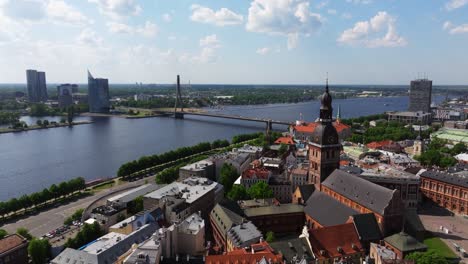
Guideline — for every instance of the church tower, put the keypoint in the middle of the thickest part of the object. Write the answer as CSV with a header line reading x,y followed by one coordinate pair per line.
x,y
324,145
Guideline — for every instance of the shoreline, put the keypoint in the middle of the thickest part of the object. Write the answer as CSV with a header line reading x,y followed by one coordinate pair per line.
x,y
35,127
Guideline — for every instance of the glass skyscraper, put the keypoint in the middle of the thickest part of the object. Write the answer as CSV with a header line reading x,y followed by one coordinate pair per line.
x,y
98,94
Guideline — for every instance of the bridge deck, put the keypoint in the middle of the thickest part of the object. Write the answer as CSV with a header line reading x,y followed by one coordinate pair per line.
x,y
252,119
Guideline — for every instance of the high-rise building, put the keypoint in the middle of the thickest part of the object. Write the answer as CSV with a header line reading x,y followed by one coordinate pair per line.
x,y
98,94
37,88
65,94
324,144
420,95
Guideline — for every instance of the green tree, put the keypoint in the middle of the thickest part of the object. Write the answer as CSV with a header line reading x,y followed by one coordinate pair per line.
x,y
270,237
39,123
135,206
228,175
24,233
260,190
458,148
238,192
45,123
39,250
429,257
283,148
3,233
54,191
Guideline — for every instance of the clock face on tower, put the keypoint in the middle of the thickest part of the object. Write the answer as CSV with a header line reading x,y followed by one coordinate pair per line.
x,y
332,139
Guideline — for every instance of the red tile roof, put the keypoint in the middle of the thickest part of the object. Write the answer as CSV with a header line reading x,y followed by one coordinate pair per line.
x,y
310,127
285,140
10,242
326,241
247,256
379,144
259,173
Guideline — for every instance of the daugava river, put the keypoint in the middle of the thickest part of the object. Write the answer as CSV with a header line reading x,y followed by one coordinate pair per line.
x,y
32,160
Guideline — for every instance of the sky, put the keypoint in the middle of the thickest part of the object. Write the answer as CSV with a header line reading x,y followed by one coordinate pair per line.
x,y
236,41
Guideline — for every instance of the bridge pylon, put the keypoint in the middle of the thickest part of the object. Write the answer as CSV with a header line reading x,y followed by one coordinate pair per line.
x,y
269,128
178,101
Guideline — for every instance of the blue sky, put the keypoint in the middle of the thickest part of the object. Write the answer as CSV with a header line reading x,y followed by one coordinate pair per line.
x,y
236,41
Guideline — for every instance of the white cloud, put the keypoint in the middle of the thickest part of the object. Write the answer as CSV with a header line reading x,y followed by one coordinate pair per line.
x,y
117,9
210,40
453,29
89,37
222,17
149,29
455,4
363,2
263,51
332,11
283,17
369,33
60,11
167,17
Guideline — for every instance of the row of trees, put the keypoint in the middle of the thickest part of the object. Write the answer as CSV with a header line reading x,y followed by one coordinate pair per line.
x,y
384,131
87,234
53,192
7,118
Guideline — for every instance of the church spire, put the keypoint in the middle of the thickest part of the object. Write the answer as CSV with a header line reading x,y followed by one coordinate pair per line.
x,y
326,110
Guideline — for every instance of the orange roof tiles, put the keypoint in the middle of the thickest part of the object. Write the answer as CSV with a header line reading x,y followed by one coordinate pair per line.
x,y
247,256
310,127
285,140
259,173
10,242
326,241
379,144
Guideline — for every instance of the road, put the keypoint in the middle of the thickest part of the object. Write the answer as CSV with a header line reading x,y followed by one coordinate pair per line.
x,y
46,221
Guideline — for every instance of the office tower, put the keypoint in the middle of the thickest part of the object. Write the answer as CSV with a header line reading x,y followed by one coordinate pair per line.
x,y
37,88
65,94
420,95
98,94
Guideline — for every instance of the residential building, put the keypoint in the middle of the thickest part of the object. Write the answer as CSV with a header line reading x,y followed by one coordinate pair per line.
x,y
222,220
403,244
204,168
408,117
299,176
98,94
281,188
366,197
284,218
65,94
123,199
148,252
239,160
36,84
335,243
251,176
260,253
382,254
420,95
106,249
324,144
14,249
302,193
255,203
449,190
253,151
295,250
183,198
191,235
107,215
242,235
132,223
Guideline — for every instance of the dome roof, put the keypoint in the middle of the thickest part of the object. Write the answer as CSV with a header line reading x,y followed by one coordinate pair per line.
x,y
325,134
326,100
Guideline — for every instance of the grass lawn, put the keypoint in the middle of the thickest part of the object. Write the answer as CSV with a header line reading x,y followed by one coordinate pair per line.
x,y
102,186
436,244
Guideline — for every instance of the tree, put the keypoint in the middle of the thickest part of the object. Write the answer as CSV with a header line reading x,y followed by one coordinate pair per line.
x,y
39,250
70,113
260,190
238,192
270,237
429,257
228,175
24,233
54,191
3,233
283,148
135,206
39,123
458,148
45,123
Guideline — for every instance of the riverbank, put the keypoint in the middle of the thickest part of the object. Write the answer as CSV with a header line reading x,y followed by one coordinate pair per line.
x,y
36,127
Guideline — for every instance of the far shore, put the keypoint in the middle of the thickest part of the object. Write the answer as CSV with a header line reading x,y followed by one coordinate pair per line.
x,y
36,127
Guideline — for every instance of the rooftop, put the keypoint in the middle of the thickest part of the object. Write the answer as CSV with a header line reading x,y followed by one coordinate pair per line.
x,y
367,227
256,173
249,149
404,242
458,135
192,224
452,178
310,127
335,241
245,232
260,253
198,166
293,248
319,205
383,252
388,172
244,204
224,218
190,189
274,209
285,140
10,242
130,195
366,193
410,114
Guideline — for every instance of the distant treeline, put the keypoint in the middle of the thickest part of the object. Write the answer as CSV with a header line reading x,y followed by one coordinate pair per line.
x,y
37,198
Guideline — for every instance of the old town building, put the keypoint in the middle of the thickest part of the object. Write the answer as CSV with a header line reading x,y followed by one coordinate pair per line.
x,y
13,249
449,190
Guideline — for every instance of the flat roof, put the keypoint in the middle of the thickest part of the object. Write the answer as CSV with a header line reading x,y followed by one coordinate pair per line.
x,y
274,209
190,189
198,166
410,114
130,195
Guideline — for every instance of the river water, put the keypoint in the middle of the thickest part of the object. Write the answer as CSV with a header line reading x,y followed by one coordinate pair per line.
x,y
32,160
